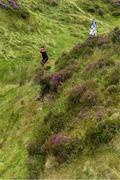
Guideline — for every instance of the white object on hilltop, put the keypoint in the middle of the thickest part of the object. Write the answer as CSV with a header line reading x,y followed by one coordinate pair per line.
x,y
93,29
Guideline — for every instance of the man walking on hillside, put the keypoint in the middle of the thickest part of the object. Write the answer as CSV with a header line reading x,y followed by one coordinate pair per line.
x,y
93,29
44,55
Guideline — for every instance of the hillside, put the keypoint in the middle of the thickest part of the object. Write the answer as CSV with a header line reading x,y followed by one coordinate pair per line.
x,y
80,109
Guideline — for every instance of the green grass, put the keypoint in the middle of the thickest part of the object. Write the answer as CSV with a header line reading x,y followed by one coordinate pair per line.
x,y
59,28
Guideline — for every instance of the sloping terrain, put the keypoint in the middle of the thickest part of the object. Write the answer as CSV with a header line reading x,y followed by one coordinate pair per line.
x,y
88,67
78,136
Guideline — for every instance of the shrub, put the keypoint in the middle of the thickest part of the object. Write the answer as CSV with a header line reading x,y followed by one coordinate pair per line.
x,y
36,145
34,148
32,168
57,122
62,147
24,15
45,85
35,166
114,77
103,133
13,4
38,75
50,83
116,35
61,76
112,89
101,63
103,42
81,94
89,98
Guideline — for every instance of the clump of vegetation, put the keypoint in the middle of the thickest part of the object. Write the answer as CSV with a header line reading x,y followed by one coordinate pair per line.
x,y
62,147
103,133
100,64
83,94
51,82
114,77
35,146
112,89
116,35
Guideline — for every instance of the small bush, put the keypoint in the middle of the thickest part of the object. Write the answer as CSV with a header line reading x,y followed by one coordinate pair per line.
x,y
112,89
35,166
114,77
50,83
103,133
57,122
116,35
38,75
82,94
103,42
35,146
32,168
101,63
89,98
62,147
45,85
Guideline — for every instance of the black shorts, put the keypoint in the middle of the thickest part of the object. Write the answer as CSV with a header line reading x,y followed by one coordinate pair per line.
x,y
44,60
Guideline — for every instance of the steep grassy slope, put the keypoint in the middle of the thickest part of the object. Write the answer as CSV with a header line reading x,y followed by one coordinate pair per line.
x,y
58,28
81,130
